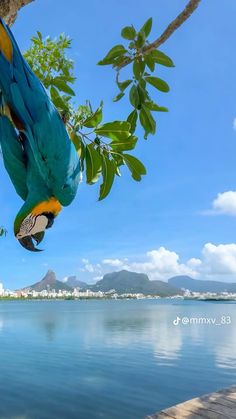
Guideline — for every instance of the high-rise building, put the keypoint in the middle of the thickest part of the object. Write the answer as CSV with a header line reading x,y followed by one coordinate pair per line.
x,y
1,289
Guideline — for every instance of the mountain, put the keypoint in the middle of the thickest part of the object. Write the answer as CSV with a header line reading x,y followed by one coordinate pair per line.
x,y
132,282
197,285
122,282
73,282
49,282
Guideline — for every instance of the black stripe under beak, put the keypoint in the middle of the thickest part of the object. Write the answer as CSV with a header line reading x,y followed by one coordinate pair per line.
x,y
38,237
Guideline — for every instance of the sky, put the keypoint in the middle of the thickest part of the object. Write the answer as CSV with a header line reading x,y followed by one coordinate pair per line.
x,y
181,218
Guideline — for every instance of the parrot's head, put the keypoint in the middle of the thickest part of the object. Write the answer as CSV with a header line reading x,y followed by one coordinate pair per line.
x,y
32,221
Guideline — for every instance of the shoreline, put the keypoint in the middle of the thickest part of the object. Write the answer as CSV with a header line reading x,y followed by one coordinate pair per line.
x,y
118,298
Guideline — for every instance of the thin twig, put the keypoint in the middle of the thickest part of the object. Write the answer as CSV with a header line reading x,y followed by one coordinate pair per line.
x,y
171,28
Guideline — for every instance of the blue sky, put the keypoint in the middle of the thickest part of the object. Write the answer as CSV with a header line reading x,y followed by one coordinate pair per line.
x,y
166,224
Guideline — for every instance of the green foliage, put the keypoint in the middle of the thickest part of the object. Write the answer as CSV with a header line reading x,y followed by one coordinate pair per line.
x,y
143,58
3,231
47,58
102,146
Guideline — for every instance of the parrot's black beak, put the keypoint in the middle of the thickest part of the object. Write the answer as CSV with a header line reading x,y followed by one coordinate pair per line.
x,y
27,242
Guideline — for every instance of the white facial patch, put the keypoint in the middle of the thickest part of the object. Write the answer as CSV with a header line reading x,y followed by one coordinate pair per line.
x,y
32,225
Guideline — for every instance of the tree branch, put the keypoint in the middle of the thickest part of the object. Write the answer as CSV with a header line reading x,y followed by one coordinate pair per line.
x,y
9,9
171,28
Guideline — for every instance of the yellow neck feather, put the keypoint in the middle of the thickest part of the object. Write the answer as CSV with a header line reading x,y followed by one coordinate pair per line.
x,y
52,205
5,43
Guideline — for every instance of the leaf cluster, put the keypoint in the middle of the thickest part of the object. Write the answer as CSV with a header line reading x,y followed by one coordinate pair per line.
x,y
143,62
103,147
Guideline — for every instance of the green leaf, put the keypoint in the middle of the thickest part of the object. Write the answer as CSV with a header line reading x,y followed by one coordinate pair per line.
x,y
39,35
93,164
135,166
58,100
132,119
94,119
3,232
158,83
143,94
62,85
76,140
124,84
128,33
138,68
154,107
134,96
147,27
161,58
147,121
118,61
141,38
118,97
132,45
142,83
117,130
82,153
115,52
124,145
108,172
150,62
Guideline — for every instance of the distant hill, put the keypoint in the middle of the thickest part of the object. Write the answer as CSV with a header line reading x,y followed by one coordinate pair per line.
x,y
132,282
73,282
196,285
122,282
49,282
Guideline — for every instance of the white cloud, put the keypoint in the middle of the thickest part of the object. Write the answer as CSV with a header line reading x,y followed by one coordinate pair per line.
x,y
194,263
225,203
157,264
234,124
90,268
162,264
112,262
218,259
217,262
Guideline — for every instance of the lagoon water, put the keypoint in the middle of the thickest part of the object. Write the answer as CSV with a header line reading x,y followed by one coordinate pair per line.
x,y
110,359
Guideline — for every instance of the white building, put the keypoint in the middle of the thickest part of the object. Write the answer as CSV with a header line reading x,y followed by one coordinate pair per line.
x,y
1,289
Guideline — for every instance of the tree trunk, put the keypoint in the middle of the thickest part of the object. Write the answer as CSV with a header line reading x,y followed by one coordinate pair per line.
x,y
9,9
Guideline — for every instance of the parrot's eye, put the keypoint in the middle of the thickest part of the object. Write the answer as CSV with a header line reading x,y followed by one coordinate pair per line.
x,y
32,224
26,226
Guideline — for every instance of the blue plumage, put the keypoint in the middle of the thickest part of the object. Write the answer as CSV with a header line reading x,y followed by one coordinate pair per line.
x,y
40,158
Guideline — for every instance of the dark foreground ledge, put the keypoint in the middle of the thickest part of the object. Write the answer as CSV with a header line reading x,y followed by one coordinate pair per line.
x,y
218,405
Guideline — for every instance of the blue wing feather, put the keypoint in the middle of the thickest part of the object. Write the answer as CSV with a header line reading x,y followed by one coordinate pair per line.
x,y
13,157
54,153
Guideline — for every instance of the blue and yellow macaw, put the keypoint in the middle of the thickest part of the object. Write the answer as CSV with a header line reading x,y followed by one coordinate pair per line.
x,y
38,155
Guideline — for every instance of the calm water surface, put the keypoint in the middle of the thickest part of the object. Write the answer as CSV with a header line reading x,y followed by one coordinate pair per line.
x,y
110,359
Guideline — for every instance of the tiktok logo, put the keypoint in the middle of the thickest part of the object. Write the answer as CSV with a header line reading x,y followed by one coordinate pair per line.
x,y
176,321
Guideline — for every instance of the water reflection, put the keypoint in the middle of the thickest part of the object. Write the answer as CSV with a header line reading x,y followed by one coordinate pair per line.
x,y
49,323
82,359
154,330
225,351
1,323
